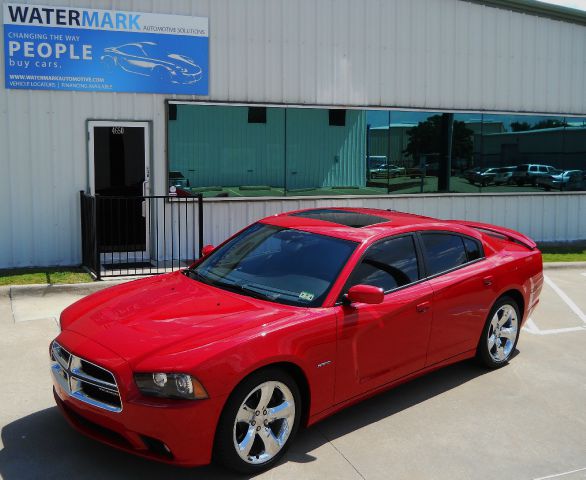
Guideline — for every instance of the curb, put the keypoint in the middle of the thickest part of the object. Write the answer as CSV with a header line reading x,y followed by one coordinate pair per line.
x,y
563,265
47,288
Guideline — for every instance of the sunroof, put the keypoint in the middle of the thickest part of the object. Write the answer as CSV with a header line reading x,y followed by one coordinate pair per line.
x,y
342,217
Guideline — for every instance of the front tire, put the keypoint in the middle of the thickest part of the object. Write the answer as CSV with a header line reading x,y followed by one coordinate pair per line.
x,y
500,334
259,422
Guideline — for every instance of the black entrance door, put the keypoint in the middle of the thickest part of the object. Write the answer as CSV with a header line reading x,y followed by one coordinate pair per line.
x,y
119,174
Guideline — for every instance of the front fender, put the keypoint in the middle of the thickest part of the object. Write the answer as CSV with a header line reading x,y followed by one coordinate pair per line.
x,y
308,343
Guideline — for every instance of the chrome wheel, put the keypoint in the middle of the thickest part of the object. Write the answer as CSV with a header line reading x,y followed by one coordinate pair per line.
x,y
502,333
264,422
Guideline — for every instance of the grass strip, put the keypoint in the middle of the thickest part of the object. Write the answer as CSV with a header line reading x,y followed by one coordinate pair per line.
x,y
31,276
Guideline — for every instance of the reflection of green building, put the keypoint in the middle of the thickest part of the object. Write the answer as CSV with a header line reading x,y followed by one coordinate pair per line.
x,y
293,148
563,148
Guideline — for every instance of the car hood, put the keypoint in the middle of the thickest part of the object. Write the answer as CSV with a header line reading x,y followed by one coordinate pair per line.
x,y
139,318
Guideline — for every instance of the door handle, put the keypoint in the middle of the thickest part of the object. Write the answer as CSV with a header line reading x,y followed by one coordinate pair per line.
x,y
423,307
145,188
488,280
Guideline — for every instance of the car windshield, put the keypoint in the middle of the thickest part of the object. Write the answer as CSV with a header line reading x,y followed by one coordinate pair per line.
x,y
277,264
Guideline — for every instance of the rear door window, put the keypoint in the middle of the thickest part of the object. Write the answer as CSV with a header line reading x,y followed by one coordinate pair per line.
x,y
443,251
388,264
473,249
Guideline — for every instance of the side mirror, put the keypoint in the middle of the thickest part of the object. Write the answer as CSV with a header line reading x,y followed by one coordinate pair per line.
x,y
206,250
365,294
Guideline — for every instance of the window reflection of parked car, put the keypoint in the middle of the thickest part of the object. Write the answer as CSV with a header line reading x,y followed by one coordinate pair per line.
x,y
530,173
470,174
384,170
179,185
176,179
415,172
563,180
485,177
148,59
503,176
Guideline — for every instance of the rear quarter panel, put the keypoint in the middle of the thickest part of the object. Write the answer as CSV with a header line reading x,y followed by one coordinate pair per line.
x,y
517,267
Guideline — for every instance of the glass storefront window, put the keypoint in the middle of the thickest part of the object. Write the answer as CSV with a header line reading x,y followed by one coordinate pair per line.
x,y
225,151
325,152
242,151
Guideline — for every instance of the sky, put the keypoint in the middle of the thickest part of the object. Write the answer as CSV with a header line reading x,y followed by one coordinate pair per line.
x,y
579,4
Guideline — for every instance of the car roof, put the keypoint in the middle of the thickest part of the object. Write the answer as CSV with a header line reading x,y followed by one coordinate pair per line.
x,y
356,224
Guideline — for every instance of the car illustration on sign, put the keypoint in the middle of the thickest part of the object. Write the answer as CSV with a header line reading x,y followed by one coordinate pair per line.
x,y
290,320
146,58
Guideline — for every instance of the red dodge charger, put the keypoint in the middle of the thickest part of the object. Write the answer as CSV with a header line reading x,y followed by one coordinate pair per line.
x,y
292,319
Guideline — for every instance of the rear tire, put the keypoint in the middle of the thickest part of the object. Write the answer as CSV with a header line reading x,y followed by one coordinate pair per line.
x,y
500,333
259,422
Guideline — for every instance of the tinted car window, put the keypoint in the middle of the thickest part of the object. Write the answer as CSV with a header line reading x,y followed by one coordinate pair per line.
x,y
388,264
473,250
277,264
443,251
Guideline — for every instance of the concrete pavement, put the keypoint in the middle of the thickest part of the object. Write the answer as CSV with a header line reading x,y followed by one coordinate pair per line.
x,y
524,421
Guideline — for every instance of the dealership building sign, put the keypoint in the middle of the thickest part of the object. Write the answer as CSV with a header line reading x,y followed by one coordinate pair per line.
x,y
65,48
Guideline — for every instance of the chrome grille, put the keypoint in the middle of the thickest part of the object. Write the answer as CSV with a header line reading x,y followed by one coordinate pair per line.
x,y
84,380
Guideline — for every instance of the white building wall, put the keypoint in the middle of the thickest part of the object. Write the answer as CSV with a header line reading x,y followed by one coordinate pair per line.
x,y
428,54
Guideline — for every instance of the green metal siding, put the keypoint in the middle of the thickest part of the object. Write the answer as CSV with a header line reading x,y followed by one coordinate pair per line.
x,y
320,155
216,146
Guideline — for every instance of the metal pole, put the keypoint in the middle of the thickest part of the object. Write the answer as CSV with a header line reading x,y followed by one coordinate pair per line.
x,y
96,250
200,222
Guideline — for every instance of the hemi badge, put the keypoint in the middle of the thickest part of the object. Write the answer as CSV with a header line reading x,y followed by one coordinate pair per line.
x,y
323,364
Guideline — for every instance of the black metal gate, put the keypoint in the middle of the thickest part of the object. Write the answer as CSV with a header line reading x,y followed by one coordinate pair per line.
x,y
140,235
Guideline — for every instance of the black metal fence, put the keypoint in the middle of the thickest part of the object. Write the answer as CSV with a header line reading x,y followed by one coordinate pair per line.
x,y
140,235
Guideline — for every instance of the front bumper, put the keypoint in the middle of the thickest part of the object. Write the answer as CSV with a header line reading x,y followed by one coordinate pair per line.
x,y
177,432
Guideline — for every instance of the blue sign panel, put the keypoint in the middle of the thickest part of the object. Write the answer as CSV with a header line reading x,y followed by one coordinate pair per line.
x,y
63,48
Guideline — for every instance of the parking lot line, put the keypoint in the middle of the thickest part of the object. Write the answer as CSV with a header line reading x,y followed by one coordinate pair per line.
x,y
531,327
565,298
557,475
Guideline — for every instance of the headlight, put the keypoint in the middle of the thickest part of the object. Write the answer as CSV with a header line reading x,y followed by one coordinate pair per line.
x,y
170,385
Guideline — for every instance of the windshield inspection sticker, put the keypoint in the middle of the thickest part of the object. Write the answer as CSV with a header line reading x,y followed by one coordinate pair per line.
x,y
308,297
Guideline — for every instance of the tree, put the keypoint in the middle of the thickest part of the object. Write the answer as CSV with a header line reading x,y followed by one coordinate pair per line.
x,y
520,126
549,123
426,138
541,125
